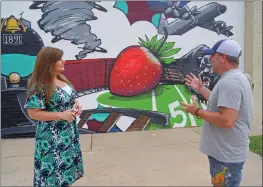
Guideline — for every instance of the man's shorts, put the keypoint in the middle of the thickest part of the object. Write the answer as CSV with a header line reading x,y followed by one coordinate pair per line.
x,y
225,174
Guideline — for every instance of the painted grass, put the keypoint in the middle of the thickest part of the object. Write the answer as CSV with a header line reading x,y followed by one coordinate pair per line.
x,y
141,102
256,144
167,94
164,95
187,94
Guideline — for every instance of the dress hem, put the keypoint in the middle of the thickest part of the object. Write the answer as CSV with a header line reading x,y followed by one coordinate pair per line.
x,y
80,176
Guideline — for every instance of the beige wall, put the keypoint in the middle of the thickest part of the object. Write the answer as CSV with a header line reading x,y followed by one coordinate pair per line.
x,y
253,53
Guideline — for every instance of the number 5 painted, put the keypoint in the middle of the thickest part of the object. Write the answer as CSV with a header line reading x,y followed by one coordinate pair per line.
x,y
177,113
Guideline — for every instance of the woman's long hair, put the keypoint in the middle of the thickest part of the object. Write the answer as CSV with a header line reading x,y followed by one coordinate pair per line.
x,y
44,72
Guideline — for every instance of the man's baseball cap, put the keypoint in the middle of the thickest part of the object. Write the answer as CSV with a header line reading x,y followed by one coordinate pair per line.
x,y
228,47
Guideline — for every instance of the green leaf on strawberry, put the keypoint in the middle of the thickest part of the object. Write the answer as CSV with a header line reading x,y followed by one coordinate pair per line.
x,y
167,46
147,40
157,45
143,43
170,52
153,42
167,60
163,50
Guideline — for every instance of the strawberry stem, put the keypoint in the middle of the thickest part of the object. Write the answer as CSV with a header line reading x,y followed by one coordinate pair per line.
x,y
164,40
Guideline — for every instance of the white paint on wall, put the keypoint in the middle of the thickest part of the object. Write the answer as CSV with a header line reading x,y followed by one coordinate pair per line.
x,y
154,106
124,122
90,101
193,123
115,32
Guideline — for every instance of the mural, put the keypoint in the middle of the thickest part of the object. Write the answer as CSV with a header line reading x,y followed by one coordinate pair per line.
x,y
126,59
66,20
20,44
186,18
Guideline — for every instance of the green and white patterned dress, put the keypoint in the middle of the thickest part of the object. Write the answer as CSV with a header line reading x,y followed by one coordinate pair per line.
x,y
58,158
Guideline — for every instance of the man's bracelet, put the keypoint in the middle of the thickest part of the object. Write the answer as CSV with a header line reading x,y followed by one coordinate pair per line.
x,y
196,112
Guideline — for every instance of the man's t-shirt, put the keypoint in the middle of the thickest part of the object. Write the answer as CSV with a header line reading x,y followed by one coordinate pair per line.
x,y
229,145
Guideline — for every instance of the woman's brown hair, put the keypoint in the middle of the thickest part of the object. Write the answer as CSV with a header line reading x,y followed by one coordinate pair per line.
x,y
44,72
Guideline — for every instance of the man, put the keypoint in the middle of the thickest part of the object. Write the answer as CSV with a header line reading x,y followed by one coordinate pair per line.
x,y
229,114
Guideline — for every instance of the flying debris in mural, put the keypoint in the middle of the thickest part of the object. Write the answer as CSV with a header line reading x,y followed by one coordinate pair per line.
x,y
177,10
145,10
204,19
67,20
186,18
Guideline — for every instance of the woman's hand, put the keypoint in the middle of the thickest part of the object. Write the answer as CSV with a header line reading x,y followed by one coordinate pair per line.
x,y
78,106
67,115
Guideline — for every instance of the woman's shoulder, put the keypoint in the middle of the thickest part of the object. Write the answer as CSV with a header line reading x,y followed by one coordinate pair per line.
x,y
32,90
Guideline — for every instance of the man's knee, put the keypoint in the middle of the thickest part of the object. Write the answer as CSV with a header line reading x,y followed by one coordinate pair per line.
x,y
224,174
219,176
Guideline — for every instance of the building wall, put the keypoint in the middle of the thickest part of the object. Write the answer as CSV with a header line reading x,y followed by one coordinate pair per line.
x,y
253,53
94,39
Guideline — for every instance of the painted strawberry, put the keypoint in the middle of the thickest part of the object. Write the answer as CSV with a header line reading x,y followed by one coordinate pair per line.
x,y
138,68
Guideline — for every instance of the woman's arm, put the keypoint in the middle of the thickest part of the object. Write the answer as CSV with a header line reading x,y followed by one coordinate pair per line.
x,y
36,109
41,115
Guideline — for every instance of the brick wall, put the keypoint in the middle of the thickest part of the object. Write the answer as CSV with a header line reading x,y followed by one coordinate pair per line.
x,y
253,53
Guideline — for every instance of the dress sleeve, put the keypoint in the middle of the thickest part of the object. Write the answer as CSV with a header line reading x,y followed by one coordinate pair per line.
x,y
74,93
35,101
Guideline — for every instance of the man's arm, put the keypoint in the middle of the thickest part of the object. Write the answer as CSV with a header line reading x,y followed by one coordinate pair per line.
x,y
225,118
228,102
205,92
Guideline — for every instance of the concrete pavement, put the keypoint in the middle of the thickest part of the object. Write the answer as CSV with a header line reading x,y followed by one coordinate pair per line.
x,y
152,158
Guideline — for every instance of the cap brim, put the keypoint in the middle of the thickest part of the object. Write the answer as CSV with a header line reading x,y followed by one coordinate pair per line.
x,y
209,51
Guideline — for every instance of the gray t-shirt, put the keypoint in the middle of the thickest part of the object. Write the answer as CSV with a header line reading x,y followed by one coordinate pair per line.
x,y
229,145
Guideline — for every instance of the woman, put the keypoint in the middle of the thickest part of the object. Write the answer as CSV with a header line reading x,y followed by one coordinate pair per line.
x,y
58,159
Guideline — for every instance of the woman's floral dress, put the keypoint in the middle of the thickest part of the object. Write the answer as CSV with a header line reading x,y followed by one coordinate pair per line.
x,y
57,159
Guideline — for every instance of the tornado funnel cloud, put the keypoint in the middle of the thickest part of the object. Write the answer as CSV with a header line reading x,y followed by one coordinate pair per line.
x,y
67,20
